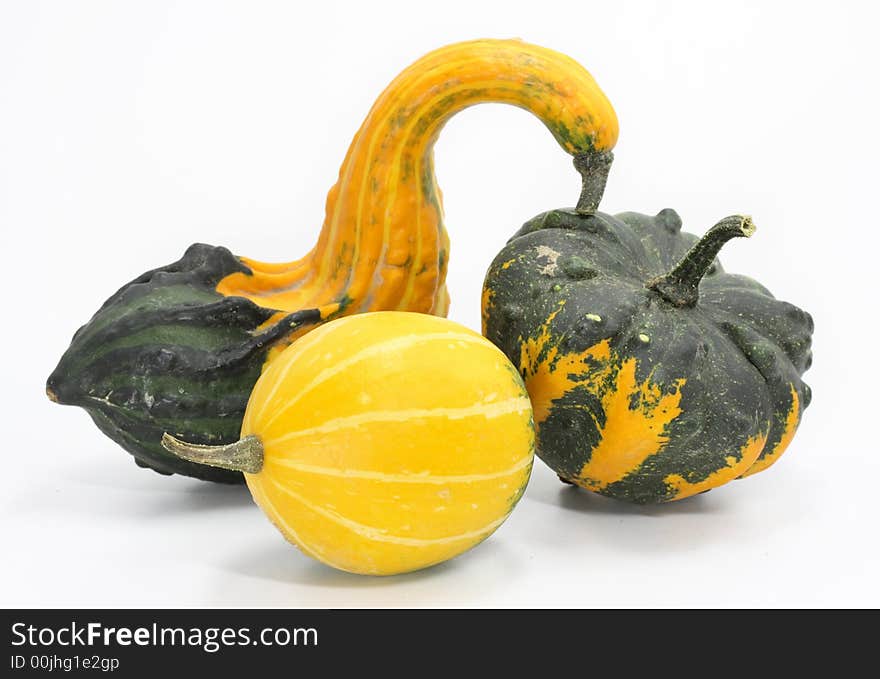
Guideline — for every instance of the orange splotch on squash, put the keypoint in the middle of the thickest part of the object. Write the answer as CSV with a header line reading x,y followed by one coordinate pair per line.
x,y
683,488
768,457
637,415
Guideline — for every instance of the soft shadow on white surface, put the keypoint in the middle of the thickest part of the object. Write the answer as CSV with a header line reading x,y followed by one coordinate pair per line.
x,y
198,498
157,495
282,562
277,573
571,522
579,500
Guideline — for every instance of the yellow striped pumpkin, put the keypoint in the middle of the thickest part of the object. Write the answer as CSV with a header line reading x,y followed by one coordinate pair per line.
x,y
384,442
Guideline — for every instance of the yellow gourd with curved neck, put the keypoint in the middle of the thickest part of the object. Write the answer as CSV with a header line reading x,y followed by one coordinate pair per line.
x,y
383,244
179,348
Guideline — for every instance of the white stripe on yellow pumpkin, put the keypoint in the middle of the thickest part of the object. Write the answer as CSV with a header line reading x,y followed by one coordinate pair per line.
x,y
487,410
389,346
414,477
384,534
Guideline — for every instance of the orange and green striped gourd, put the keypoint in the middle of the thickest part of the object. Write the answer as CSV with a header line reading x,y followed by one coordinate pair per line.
x,y
384,442
179,348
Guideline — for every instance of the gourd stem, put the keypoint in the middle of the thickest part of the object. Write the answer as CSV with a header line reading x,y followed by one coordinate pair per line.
x,y
681,285
593,167
245,455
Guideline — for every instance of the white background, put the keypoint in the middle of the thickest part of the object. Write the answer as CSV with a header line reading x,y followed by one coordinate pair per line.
x,y
129,130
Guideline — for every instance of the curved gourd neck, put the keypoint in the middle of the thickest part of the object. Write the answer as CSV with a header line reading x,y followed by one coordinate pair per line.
x,y
384,216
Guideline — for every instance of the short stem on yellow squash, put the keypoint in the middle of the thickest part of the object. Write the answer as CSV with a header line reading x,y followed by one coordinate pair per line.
x,y
245,455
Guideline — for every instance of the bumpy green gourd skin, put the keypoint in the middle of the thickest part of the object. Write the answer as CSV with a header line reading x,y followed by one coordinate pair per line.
x,y
567,283
167,353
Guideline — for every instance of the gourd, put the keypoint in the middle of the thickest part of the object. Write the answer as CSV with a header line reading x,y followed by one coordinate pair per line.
x,y
654,374
180,347
384,442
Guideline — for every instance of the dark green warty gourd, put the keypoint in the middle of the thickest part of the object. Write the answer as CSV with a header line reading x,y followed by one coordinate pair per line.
x,y
654,374
168,353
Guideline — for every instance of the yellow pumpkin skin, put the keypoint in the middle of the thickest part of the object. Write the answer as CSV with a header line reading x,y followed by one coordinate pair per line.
x,y
383,245
391,441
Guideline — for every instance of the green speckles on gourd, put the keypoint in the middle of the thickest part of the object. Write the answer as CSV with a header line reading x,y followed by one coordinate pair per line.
x,y
572,141
512,311
429,186
342,259
344,302
406,169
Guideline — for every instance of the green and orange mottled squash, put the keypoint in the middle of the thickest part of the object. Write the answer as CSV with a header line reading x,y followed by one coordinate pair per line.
x,y
654,375
179,348
384,442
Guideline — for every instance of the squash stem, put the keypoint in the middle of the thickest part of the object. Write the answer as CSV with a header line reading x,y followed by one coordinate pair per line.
x,y
593,167
245,455
681,285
